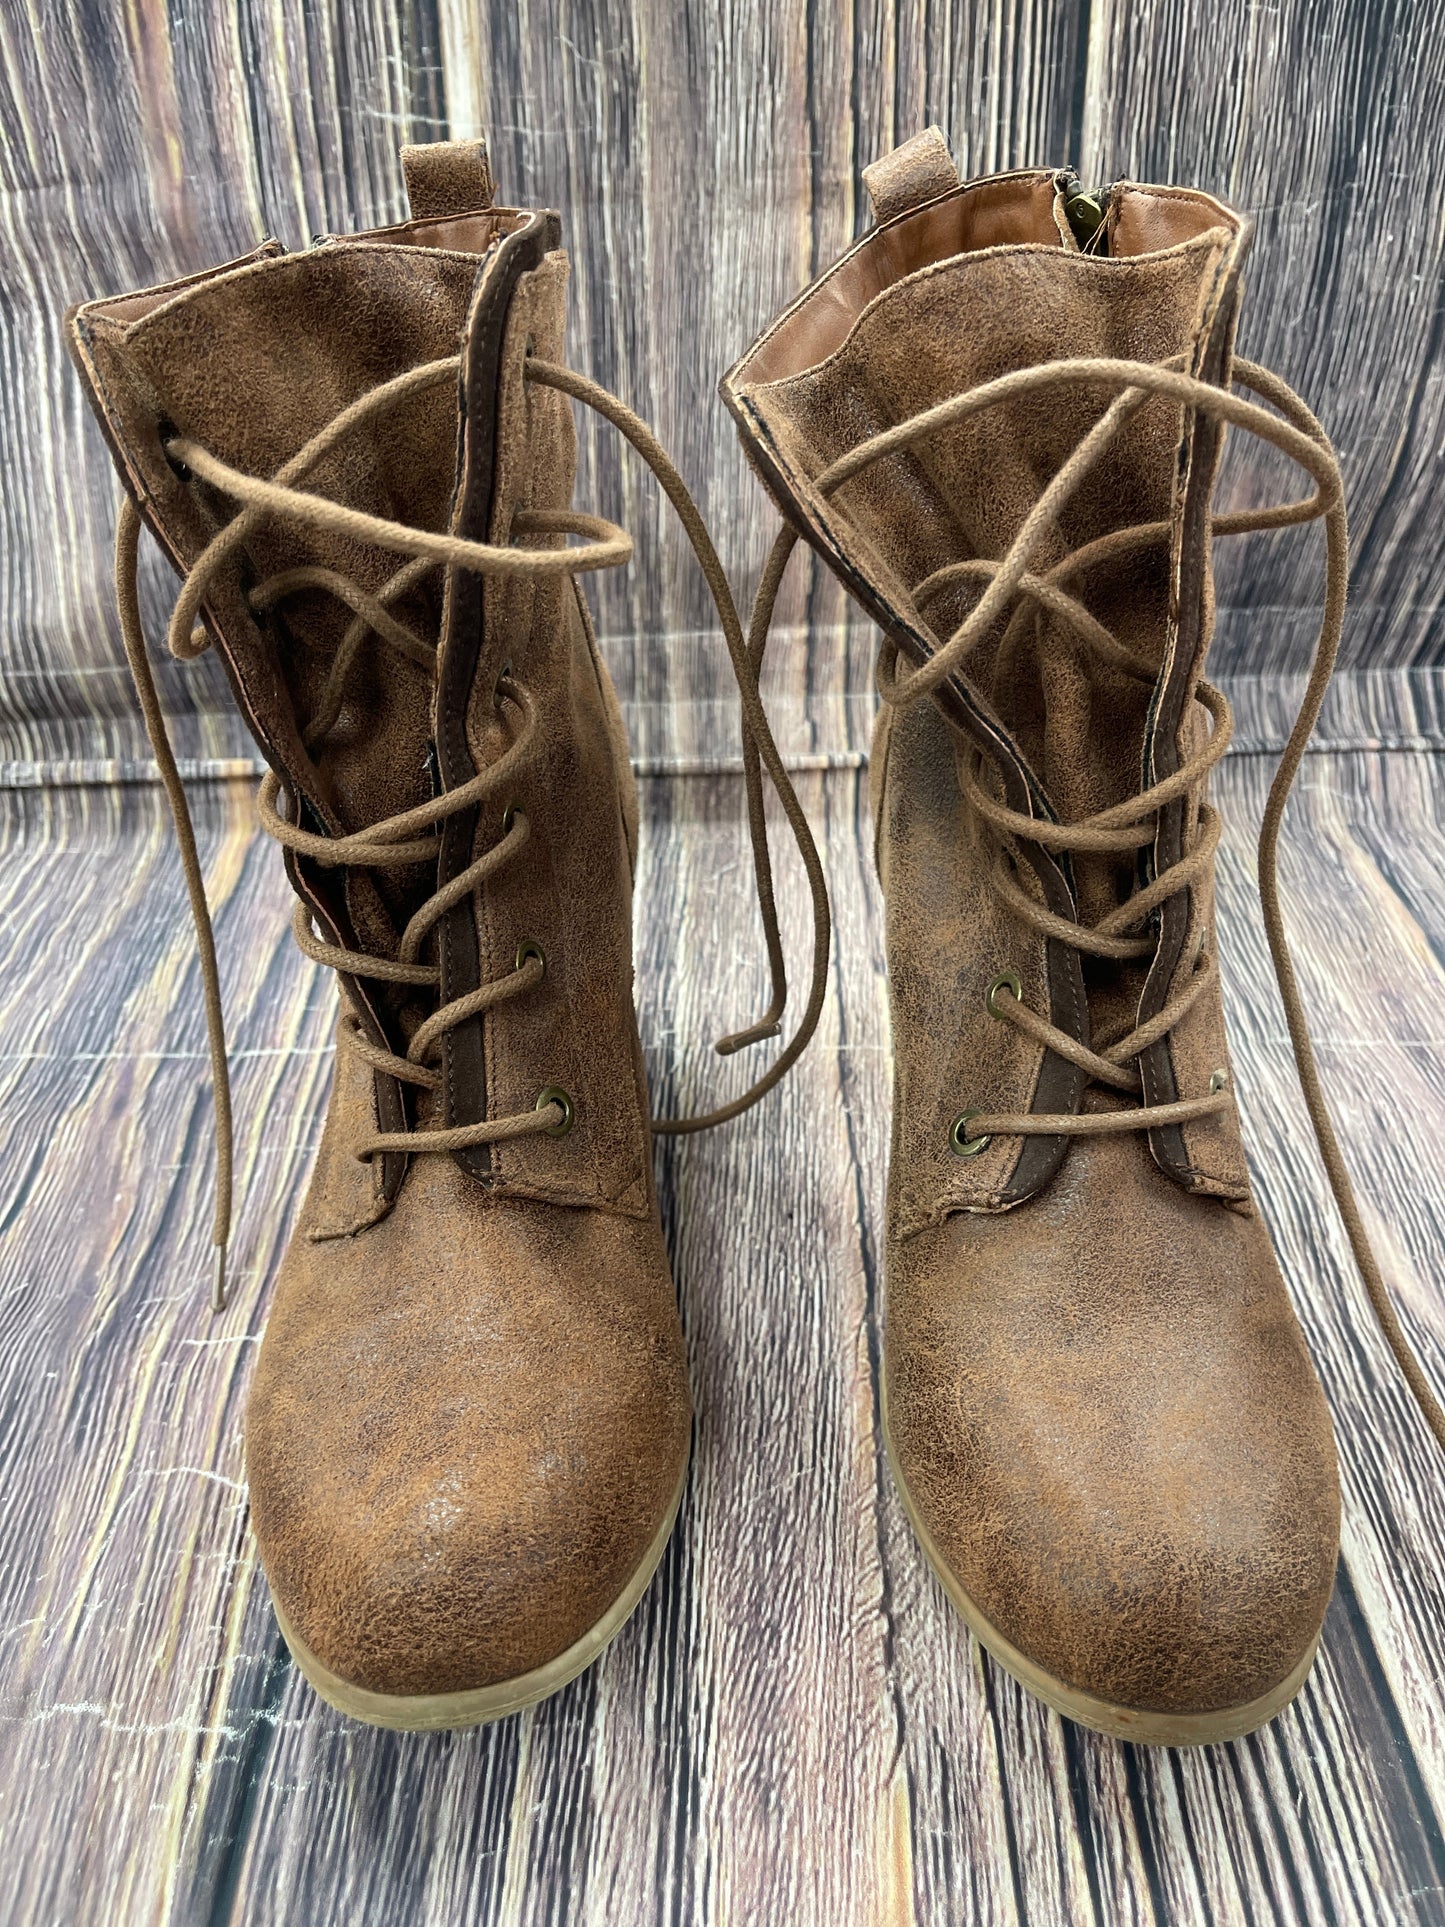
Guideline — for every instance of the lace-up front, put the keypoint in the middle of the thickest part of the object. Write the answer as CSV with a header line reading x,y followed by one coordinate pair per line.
x,y
1012,594
412,838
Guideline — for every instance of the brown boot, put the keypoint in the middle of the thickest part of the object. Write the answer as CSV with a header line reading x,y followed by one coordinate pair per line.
x,y
468,1431
1100,1410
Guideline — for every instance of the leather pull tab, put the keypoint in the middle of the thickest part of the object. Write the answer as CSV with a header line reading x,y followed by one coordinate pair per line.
x,y
447,177
919,170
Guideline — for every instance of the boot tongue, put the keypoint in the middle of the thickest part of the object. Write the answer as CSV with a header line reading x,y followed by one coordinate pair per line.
x,y
252,364
963,492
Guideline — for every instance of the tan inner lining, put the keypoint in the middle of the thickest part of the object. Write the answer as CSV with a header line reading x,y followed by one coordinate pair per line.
x,y
451,234
1013,210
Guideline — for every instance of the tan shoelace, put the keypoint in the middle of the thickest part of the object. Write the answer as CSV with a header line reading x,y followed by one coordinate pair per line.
x,y
410,837
1014,589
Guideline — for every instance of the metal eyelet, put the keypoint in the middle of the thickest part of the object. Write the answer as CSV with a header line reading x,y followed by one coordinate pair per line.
x,y
529,947
1218,1081
510,815
1006,980
554,1094
960,1143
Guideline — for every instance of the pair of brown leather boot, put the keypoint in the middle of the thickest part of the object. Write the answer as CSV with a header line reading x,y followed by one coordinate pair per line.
x,y
997,418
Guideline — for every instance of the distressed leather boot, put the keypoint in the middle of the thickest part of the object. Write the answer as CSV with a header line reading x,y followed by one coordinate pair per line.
x,y
997,419
468,1430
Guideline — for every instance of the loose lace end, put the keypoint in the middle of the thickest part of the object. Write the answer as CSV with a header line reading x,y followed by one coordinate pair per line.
x,y
740,1039
127,547
219,1296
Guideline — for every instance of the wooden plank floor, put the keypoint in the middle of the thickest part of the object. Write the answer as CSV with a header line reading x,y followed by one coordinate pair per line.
x,y
795,1727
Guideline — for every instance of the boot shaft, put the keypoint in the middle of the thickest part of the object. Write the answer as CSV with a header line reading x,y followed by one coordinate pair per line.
x,y
995,418
959,287
253,362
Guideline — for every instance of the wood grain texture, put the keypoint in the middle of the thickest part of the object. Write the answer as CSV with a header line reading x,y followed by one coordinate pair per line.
x,y
795,1727
1323,120
707,157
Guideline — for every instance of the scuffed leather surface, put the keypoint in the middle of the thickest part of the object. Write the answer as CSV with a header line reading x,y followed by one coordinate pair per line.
x,y
1079,726
447,178
1105,1415
1003,210
466,1424
571,887
470,1412
948,938
1099,1399
252,364
252,361
917,171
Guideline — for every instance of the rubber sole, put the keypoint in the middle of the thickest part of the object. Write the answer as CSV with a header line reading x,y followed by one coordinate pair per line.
x,y
1134,1723
478,1706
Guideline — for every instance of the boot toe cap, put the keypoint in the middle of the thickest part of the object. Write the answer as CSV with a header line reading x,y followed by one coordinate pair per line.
x,y
1140,1497
457,1480
1200,1609
1149,1578
453,1580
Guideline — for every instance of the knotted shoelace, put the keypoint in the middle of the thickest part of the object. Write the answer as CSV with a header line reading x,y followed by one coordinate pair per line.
x,y
1012,589
411,837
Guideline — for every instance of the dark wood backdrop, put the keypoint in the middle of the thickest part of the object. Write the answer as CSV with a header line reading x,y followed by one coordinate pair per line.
x,y
706,157
795,1727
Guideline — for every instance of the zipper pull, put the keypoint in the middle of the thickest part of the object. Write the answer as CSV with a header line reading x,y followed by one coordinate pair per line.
x,y
1085,213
